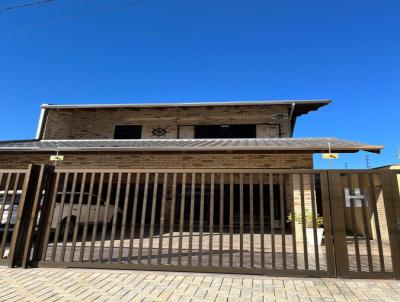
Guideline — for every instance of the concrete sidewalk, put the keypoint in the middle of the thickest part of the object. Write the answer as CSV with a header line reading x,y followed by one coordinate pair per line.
x,y
106,285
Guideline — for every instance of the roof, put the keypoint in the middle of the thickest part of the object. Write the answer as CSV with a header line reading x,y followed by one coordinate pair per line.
x,y
301,106
313,145
390,167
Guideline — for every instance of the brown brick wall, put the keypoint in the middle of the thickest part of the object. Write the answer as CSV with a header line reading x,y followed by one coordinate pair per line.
x,y
267,130
186,132
122,160
381,215
58,124
99,123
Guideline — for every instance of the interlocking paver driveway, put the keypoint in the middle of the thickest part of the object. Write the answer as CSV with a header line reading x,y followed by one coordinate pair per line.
x,y
105,285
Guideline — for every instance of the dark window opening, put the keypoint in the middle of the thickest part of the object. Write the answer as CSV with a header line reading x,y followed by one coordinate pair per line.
x,y
225,131
128,132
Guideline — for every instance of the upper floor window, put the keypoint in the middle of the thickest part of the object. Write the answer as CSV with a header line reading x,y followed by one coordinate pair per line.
x,y
128,132
225,131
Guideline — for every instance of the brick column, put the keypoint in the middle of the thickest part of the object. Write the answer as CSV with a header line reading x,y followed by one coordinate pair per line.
x,y
296,187
380,207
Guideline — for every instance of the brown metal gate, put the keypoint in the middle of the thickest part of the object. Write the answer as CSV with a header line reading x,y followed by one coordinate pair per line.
x,y
255,221
366,222
242,221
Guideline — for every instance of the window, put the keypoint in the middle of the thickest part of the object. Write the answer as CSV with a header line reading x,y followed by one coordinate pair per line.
x,y
128,132
225,131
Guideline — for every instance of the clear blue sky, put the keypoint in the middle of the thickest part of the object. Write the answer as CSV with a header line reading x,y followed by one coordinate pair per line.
x,y
70,51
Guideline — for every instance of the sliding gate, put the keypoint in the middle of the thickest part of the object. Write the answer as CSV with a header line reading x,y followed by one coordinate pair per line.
x,y
235,221
255,221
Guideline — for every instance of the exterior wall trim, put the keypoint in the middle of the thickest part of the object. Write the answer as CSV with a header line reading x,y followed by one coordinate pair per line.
x,y
39,130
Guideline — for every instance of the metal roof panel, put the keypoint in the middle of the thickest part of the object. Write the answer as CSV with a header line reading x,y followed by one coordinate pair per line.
x,y
189,145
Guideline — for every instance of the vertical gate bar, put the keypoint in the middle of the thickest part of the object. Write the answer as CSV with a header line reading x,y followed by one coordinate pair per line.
x,y
200,261
251,219
2,207
283,218
314,221
6,189
172,218
211,228
293,218
191,218
96,217
241,217
105,216
327,220
153,214
162,218
69,213
78,218
85,226
338,224
377,225
221,218
33,216
272,217
115,217
303,221
366,228
50,218
231,179
124,214
391,197
262,227
143,220
133,218
44,214
9,215
181,217
60,213
353,223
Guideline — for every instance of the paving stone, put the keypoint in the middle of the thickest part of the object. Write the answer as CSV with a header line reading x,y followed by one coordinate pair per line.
x,y
105,285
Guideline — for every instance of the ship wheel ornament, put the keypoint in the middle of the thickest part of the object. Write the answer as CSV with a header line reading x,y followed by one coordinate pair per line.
x,y
159,131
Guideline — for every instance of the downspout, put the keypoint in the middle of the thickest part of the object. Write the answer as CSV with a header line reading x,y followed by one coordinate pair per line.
x,y
291,117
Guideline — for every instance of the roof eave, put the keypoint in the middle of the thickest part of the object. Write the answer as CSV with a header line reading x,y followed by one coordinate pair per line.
x,y
321,102
373,149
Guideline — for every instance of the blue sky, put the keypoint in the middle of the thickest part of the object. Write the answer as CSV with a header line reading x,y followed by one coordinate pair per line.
x,y
70,51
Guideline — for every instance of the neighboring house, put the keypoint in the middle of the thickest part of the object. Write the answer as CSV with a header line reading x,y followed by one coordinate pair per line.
x,y
192,135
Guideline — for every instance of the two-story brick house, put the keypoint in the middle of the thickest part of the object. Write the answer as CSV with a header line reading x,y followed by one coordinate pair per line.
x,y
185,170
193,135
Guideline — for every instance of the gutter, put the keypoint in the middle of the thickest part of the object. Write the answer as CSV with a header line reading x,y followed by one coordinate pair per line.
x,y
291,117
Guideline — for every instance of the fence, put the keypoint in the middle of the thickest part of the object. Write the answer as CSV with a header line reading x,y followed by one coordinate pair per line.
x,y
277,222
